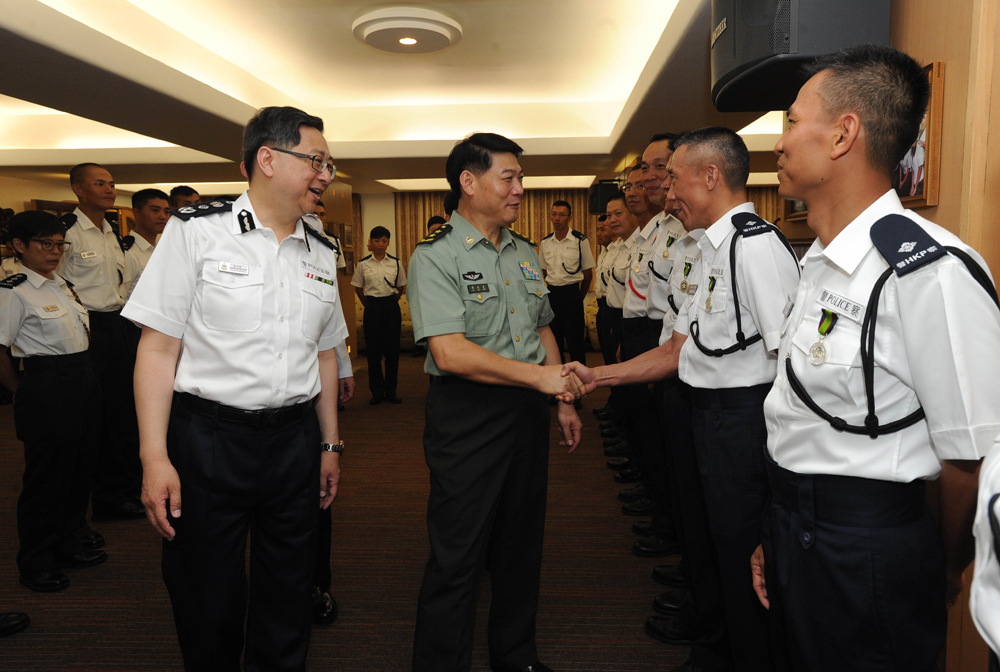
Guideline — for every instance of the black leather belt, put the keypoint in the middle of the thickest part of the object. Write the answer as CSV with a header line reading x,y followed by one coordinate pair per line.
x,y
270,417
56,362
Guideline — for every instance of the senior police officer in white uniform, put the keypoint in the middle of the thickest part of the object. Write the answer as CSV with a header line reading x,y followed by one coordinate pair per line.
x,y
236,389
887,378
723,348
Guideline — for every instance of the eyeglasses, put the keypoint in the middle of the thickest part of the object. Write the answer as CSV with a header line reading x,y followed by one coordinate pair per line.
x,y
319,164
49,245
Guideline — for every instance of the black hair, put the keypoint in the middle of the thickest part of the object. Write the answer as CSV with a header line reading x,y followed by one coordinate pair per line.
x,y
664,136
144,196
436,219
320,203
77,172
181,191
886,88
379,232
274,126
450,203
32,224
564,204
475,154
726,150
617,196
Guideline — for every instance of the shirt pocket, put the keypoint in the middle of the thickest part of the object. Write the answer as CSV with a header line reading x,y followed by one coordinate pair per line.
x,y
843,342
536,291
483,309
88,271
715,301
231,301
319,301
55,329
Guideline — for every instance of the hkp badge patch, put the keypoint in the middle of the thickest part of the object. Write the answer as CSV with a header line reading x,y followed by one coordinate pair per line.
x,y
529,271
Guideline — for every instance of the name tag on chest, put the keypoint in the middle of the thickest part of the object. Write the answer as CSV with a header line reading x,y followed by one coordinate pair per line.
x,y
230,267
90,254
842,306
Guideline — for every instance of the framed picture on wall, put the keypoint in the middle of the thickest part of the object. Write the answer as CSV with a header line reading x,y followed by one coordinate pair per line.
x,y
917,177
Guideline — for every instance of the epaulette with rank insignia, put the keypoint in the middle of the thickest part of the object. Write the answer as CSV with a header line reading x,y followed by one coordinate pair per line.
x,y
749,224
202,209
580,235
523,237
68,220
436,234
366,258
128,242
904,244
13,281
543,237
310,231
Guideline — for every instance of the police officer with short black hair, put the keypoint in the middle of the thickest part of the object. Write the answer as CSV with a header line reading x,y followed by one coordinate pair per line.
x,y
380,281
478,301
236,389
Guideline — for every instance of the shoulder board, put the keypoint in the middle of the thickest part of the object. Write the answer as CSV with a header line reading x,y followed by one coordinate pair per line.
x,y
436,234
68,220
904,244
543,237
580,235
128,242
749,224
202,209
366,258
13,281
524,237
391,257
310,231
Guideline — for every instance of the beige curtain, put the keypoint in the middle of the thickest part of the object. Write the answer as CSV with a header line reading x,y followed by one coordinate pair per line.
x,y
414,208
766,201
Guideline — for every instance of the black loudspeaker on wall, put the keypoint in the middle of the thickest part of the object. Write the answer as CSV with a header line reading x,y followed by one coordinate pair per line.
x,y
597,197
760,46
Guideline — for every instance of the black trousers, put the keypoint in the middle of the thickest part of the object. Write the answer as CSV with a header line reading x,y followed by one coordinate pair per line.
x,y
569,322
487,448
855,574
58,400
383,323
128,414
730,439
639,335
322,572
711,651
115,479
237,480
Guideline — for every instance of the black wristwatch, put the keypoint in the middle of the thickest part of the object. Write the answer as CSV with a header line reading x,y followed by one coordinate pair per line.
x,y
332,448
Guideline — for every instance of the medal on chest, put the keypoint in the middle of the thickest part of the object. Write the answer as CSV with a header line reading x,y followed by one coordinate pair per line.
x,y
711,288
666,250
684,282
529,271
820,351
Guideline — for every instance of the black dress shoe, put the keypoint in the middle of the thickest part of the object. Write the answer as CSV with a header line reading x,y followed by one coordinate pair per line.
x,y
640,507
611,432
619,463
634,493
609,414
341,408
618,440
127,510
630,475
670,602
606,424
89,539
670,575
655,547
12,622
375,401
670,630
45,582
603,409
324,607
81,560
688,666
617,450
393,399
534,667
644,528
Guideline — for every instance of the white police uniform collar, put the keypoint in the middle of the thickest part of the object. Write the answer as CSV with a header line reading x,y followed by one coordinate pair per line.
x,y
721,229
650,227
84,222
37,280
854,243
245,220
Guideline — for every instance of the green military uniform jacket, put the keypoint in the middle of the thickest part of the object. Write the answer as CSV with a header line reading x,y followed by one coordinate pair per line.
x,y
459,283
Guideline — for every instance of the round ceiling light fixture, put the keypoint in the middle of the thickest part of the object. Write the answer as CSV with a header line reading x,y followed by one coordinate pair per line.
x,y
407,30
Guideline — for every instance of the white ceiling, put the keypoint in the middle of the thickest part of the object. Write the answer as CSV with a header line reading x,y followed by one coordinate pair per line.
x,y
564,78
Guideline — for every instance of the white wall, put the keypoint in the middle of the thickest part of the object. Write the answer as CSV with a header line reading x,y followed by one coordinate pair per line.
x,y
378,210
16,193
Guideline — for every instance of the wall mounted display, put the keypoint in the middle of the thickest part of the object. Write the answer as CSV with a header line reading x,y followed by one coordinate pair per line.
x,y
917,177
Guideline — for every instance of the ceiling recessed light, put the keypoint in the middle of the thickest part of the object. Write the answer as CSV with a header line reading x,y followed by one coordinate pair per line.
x,y
407,30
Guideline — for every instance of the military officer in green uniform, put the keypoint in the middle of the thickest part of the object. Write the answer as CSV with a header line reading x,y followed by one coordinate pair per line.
x,y
480,305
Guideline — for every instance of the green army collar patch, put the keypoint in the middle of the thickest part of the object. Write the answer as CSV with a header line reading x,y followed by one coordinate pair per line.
x,y
436,235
